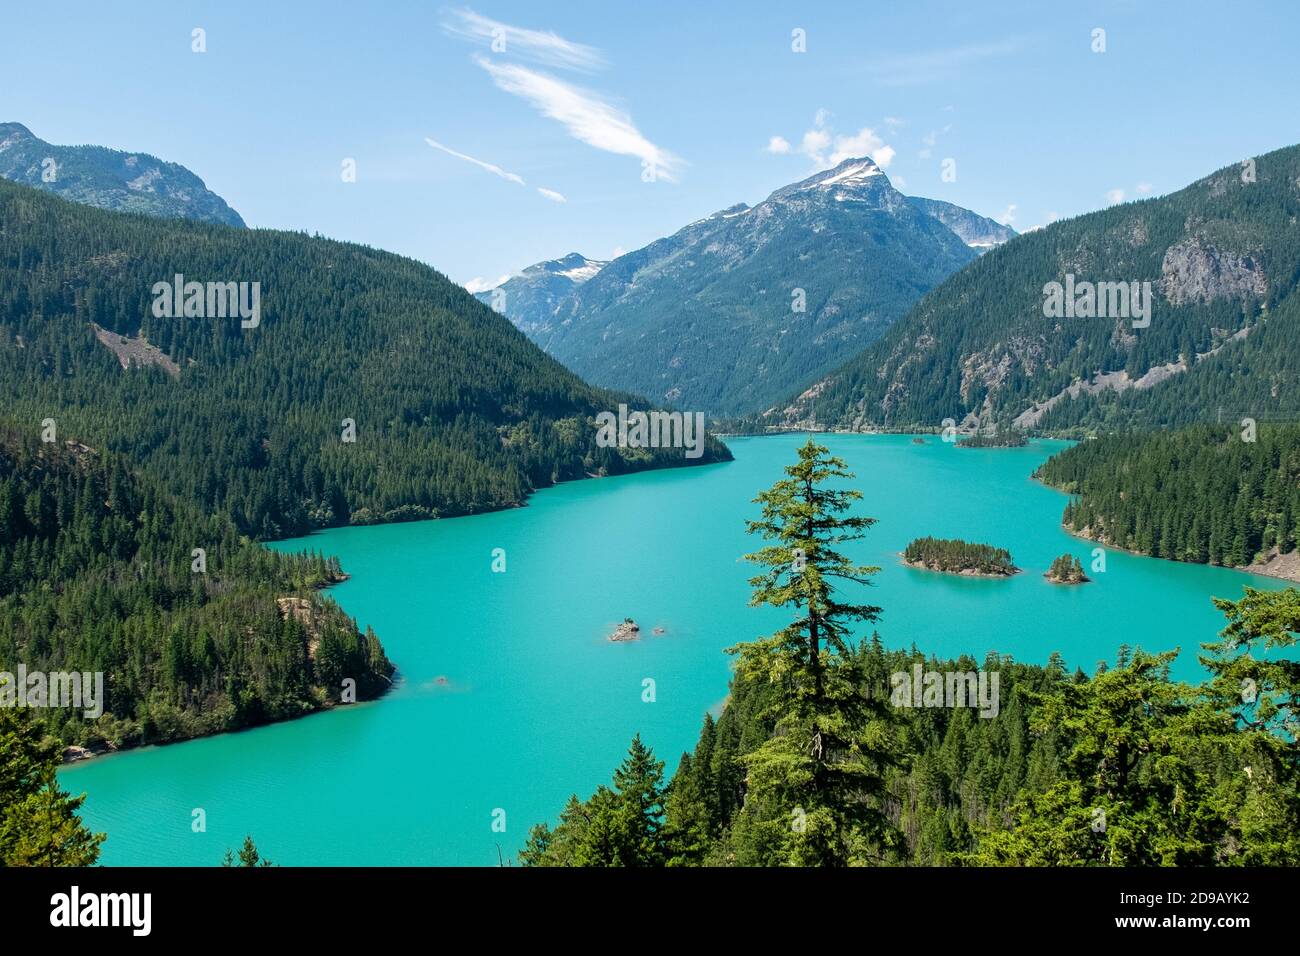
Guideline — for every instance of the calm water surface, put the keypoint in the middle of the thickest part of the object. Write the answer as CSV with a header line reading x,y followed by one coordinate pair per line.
x,y
510,697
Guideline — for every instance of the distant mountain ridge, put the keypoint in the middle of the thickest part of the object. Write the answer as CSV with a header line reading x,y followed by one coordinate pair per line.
x,y
975,230
536,293
110,179
1221,259
733,311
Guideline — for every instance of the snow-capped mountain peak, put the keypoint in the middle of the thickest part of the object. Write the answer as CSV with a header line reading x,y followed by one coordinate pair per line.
x,y
575,267
856,177
850,171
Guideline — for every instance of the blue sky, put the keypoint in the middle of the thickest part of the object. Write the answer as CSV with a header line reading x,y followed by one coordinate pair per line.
x,y
584,93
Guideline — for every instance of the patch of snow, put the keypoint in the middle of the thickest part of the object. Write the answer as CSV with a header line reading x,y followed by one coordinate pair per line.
x,y
582,273
858,173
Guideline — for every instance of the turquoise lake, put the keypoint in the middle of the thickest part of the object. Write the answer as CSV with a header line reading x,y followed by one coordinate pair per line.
x,y
537,704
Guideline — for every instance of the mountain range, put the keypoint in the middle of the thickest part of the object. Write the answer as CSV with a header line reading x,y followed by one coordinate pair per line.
x,y
1221,261
109,178
732,312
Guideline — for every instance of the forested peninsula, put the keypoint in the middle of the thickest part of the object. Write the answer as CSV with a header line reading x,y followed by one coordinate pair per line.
x,y
1206,494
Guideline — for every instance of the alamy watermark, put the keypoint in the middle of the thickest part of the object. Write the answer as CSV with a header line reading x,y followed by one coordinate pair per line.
x,y
651,430
82,690
208,300
1098,300
922,688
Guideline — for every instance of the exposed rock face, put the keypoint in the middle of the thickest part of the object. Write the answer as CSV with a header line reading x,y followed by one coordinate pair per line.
x,y
978,232
110,179
302,610
1276,565
1195,271
75,752
135,350
629,630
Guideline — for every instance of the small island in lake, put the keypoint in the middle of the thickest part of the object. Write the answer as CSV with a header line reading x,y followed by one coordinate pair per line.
x,y
1067,570
1004,439
918,440
629,630
954,556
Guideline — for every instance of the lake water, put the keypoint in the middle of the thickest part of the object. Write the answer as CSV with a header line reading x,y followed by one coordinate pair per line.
x,y
537,704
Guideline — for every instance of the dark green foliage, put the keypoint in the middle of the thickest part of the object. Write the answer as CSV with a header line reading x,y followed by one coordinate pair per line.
x,y
1200,494
39,825
981,337
955,556
618,826
455,411
96,574
248,856
1067,569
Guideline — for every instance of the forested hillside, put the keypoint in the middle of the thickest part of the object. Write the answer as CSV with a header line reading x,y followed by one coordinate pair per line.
x,y
1222,257
98,572
453,411
1201,494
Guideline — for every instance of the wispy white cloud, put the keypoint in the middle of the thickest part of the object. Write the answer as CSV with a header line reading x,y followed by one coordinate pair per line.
x,y
495,170
1143,189
490,167
932,66
1008,216
541,46
1114,196
778,145
587,117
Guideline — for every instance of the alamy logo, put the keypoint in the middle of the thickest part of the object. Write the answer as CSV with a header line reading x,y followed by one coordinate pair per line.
x,y
1098,300
82,691
946,689
208,300
651,430
133,910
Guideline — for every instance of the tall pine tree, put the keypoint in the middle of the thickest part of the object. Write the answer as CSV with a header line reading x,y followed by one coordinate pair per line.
x,y
816,788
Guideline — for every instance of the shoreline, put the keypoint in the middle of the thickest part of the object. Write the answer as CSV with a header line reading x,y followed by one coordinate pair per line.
x,y
75,754
1290,573
110,751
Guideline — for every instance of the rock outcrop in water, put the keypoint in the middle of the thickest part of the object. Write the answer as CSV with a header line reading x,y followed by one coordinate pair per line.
x,y
629,630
